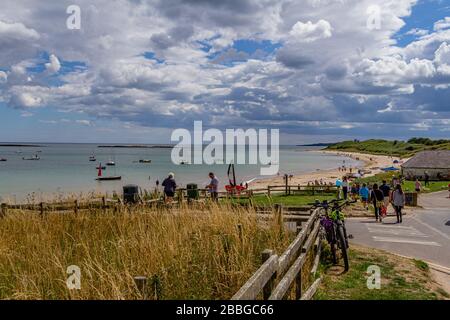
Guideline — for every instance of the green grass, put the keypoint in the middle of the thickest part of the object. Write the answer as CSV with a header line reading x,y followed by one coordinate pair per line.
x,y
408,186
286,200
401,278
393,148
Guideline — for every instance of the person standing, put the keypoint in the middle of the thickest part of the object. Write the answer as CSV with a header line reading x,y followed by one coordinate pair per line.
x,y
398,201
427,178
386,193
338,185
418,185
377,199
213,187
345,185
170,186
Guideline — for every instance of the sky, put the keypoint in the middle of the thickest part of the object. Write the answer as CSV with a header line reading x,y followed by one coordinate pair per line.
x,y
135,70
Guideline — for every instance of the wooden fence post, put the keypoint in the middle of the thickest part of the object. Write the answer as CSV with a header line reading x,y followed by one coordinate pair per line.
x,y
141,284
279,216
268,191
3,210
75,209
41,209
298,285
239,226
267,290
104,204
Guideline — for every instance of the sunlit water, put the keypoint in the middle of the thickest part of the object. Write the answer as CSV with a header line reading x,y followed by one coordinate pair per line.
x,y
65,168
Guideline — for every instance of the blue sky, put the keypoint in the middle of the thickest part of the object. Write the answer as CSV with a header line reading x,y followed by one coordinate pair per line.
x,y
137,70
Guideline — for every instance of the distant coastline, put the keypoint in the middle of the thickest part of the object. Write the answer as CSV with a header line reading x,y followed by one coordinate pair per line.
x,y
21,145
137,146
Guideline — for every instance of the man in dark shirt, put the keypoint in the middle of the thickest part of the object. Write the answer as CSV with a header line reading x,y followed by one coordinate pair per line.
x,y
377,198
169,185
386,193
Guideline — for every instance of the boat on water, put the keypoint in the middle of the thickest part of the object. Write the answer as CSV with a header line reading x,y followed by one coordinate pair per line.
x,y
145,161
35,157
107,178
3,159
92,158
110,163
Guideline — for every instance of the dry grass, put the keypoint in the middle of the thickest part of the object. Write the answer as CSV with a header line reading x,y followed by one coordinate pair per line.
x,y
185,253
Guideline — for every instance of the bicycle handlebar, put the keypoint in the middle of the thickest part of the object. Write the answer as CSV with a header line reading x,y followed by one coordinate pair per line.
x,y
326,204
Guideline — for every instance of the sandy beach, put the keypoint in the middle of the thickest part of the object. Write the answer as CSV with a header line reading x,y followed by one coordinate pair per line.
x,y
372,163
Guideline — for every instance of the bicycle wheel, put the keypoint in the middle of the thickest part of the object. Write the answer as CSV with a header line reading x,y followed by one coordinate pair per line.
x,y
333,245
343,245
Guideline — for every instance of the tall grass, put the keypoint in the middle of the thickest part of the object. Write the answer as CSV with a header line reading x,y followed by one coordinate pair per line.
x,y
185,253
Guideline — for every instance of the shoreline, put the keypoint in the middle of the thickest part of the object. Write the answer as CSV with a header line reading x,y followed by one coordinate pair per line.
x,y
369,162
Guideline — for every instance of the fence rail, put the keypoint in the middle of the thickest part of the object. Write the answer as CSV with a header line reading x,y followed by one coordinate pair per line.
x,y
278,274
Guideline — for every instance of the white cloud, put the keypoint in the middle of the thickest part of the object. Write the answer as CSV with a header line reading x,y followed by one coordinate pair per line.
x,y
442,24
16,32
308,32
53,65
3,77
417,32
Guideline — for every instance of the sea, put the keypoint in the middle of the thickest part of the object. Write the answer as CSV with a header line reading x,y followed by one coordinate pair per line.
x,y
66,169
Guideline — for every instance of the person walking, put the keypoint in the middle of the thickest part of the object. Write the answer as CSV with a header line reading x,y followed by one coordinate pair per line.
x,y
213,187
345,185
364,194
170,186
377,198
386,193
398,201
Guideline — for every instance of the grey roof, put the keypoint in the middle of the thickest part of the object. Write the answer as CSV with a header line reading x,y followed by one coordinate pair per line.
x,y
439,159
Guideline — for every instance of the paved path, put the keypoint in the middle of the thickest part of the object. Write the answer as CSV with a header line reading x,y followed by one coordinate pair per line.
x,y
424,234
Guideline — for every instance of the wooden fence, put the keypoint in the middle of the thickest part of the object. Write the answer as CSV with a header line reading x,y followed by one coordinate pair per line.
x,y
181,196
278,274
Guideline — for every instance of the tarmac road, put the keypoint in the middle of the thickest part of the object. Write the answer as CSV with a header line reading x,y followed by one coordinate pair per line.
x,y
424,234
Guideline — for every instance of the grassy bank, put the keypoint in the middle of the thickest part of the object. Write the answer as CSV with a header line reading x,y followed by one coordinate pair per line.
x,y
394,148
408,186
401,278
186,254
290,200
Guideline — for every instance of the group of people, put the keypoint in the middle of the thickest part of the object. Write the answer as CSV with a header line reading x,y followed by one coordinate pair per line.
x,y
169,184
380,196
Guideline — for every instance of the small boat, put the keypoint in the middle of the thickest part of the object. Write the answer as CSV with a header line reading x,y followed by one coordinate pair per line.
x,y
145,161
184,162
3,159
110,163
110,178
92,158
35,157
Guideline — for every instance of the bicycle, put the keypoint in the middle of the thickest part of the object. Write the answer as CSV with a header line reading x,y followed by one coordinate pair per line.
x,y
333,227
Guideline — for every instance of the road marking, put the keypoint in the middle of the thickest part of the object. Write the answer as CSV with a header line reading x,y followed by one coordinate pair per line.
x,y
399,233
402,240
432,228
383,226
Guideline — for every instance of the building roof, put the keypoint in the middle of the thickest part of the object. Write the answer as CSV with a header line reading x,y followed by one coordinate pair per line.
x,y
439,159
